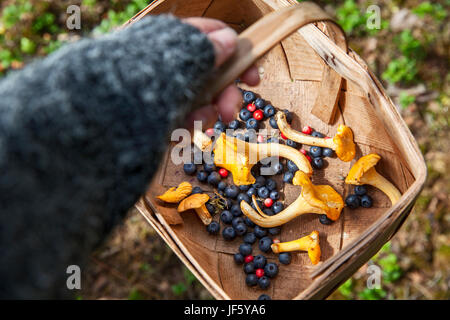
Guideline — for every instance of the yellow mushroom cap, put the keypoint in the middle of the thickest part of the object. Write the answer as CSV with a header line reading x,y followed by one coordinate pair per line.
x,y
345,147
323,197
361,166
194,201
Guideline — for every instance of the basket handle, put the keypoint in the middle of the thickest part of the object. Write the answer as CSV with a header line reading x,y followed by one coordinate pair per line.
x,y
262,36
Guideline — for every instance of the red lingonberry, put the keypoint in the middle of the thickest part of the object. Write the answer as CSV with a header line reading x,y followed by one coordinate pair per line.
x,y
209,132
258,115
223,172
307,130
248,258
259,272
251,107
268,202
283,136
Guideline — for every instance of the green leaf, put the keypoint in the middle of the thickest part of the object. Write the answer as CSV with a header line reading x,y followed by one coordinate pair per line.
x,y
135,295
406,100
178,289
27,46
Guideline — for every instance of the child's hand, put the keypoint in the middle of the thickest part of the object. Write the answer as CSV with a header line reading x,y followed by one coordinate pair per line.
x,y
229,101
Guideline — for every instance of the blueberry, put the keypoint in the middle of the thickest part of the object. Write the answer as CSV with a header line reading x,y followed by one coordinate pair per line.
x,y
226,217
236,221
213,228
249,267
323,219
291,166
189,168
260,261
273,123
238,258
260,182
268,211
196,190
249,96
251,280
241,229
366,201
277,207
278,168
214,178
269,111
273,139
240,136
271,184
251,124
327,152
352,201
259,232
291,143
317,163
259,202
289,115
244,114
244,187
264,282
209,167
317,134
274,231
219,126
245,249
252,191
250,135
315,151
288,176
222,185
228,233
210,207
231,191
243,197
250,238
202,176
263,192
249,222
260,103
264,297
235,124
274,195
271,270
360,190
265,243
236,210
285,257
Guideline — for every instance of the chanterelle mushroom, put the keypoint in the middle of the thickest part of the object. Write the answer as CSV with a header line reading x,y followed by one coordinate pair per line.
x,y
342,143
197,202
363,172
308,243
239,157
322,199
175,195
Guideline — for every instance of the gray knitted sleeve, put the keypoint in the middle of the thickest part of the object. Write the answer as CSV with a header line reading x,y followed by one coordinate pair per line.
x,y
81,134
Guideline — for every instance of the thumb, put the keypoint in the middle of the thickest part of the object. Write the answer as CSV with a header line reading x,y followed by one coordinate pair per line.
x,y
224,41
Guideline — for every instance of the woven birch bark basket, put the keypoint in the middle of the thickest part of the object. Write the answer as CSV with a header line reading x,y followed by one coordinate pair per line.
x,y
307,69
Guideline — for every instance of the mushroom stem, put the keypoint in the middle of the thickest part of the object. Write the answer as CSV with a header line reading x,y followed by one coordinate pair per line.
x,y
373,178
204,215
201,140
342,143
309,243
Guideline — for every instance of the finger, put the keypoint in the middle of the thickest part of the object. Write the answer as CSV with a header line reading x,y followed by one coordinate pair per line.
x,y
224,42
206,25
250,76
228,103
207,115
